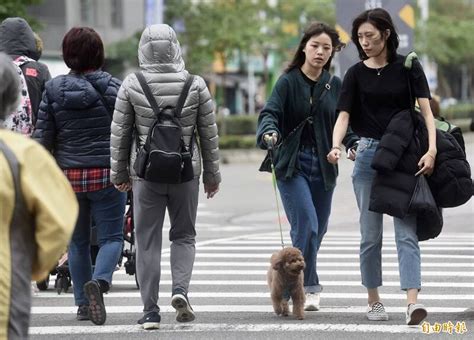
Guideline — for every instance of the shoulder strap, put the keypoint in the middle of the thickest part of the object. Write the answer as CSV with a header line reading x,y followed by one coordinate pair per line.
x,y
151,99
183,95
147,92
15,171
325,89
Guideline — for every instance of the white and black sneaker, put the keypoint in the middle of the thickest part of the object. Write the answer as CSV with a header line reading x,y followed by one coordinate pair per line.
x,y
416,313
150,320
377,312
184,311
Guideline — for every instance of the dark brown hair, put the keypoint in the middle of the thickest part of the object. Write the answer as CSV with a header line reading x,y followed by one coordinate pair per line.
x,y
382,21
83,49
315,29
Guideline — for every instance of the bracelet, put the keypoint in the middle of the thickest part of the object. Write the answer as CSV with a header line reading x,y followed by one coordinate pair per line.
x,y
336,147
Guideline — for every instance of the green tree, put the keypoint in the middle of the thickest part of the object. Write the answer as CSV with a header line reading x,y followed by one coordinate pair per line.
x,y
17,8
214,30
447,39
282,23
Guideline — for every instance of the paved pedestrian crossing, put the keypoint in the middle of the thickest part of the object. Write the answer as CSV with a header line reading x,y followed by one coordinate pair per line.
x,y
229,280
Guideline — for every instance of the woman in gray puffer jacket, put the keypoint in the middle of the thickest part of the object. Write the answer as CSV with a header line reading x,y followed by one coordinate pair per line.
x,y
161,64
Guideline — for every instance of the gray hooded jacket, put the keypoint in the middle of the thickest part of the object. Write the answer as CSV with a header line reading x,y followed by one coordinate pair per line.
x,y
159,55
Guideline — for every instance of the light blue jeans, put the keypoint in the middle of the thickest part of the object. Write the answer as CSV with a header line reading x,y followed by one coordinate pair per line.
x,y
371,228
307,206
107,208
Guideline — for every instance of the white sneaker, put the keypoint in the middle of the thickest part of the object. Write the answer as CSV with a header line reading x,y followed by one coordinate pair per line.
x,y
312,302
377,312
416,313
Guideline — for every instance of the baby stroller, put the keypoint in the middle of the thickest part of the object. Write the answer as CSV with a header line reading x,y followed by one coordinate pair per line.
x,y
63,276
129,250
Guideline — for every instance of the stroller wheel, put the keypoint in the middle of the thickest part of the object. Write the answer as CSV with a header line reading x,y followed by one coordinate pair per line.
x,y
59,285
43,285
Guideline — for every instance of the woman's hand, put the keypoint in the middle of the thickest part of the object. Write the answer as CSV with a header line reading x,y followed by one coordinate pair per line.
x,y
211,189
124,187
334,155
427,163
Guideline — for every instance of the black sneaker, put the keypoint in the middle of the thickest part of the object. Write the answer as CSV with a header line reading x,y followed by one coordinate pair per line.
x,y
184,312
82,313
150,320
97,313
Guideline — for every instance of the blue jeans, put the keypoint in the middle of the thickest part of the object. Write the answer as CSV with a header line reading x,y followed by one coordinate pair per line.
x,y
371,228
307,206
106,207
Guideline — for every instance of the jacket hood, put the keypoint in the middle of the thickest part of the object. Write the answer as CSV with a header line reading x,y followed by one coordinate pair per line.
x,y
159,50
76,91
17,38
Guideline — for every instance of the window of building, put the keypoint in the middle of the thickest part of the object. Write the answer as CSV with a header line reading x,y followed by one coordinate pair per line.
x,y
87,12
117,13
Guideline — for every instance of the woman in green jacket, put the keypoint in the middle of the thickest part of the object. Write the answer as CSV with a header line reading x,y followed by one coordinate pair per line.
x,y
298,120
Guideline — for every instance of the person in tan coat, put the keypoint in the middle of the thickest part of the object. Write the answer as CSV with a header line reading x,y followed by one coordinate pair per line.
x,y
38,212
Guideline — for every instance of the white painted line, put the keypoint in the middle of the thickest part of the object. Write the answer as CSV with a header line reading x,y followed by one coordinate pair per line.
x,y
353,242
438,248
266,295
213,327
324,283
275,235
320,264
321,256
236,309
320,272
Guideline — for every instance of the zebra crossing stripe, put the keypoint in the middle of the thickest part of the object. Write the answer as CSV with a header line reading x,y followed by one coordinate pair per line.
x,y
321,256
237,283
323,249
266,295
111,309
212,327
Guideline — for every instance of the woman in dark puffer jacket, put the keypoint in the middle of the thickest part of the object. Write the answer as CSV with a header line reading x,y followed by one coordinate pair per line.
x,y
74,124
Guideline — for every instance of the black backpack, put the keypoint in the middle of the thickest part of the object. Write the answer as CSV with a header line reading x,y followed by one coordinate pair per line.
x,y
442,124
165,158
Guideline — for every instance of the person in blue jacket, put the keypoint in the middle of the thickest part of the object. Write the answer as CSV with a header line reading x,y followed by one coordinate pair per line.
x,y
298,120
74,121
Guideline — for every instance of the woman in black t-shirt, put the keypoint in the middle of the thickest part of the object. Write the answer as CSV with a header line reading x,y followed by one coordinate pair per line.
x,y
374,91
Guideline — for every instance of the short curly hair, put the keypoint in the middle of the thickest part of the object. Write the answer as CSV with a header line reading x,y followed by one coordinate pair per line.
x,y
83,49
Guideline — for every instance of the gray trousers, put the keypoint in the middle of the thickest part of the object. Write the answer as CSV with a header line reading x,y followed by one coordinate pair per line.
x,y
150,201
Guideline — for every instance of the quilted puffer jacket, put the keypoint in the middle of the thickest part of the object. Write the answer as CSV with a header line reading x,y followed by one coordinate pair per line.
x,y
162,65
73,122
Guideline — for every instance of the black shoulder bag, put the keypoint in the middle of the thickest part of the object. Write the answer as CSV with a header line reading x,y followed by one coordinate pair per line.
x,y
266,164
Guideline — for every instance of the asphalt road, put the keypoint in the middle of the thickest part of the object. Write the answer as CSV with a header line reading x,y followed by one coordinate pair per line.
x,y
237,232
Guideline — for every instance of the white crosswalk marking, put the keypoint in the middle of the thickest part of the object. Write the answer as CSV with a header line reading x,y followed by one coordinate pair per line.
x,y
229,277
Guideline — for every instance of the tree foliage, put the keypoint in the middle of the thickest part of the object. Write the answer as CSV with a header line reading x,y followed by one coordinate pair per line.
x,y
447,36
17,8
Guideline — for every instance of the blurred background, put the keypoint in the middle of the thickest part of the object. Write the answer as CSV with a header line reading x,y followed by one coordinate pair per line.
x,y
240,47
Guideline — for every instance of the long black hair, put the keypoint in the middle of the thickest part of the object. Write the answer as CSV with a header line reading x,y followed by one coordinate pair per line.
x,y
315,29
382,21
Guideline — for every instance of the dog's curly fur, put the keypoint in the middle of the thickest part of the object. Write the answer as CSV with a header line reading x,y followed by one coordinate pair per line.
x,y
286,273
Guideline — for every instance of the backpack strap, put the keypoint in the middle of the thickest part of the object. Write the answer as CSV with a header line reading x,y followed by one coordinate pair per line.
x,y
149,96
152,100
183,95
15,171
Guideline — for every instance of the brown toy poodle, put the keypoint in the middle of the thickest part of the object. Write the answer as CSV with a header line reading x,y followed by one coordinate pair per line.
x,y
285,277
